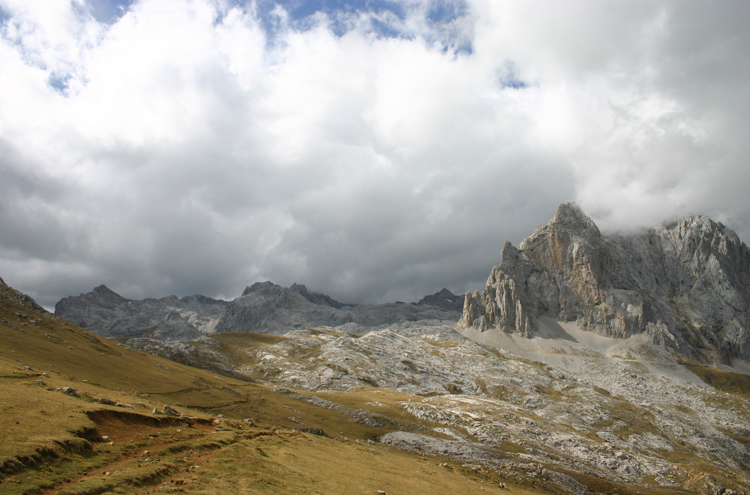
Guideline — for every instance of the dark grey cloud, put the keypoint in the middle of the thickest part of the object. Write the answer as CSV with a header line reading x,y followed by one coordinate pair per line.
x,y
374,155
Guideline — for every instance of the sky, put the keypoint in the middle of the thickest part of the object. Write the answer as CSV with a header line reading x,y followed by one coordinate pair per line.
x,y
372,150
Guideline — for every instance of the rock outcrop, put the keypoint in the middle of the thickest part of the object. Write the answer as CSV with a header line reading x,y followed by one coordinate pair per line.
x,y
686,285
203,353
20,300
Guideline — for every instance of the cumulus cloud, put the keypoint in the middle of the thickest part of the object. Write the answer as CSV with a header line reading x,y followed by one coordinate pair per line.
x,y
373,151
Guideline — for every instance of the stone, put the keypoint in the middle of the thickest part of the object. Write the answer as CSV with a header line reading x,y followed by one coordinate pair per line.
x,y
314,431
109,402
70,391
169,411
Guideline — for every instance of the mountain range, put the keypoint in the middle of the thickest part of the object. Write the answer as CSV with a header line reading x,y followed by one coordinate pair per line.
x,y
684,285
588,364
263,307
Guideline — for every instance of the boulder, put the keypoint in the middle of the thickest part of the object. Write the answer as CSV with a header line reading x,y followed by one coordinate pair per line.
x,y
70,391
170,411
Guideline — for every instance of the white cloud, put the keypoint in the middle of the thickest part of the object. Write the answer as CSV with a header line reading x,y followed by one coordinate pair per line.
x,y
194,152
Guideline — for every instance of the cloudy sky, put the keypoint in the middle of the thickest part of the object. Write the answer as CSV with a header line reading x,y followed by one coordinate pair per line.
x,y
374,150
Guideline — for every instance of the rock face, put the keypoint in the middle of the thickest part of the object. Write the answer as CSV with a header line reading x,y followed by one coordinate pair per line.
x,y
106,313
685,285
263,307
203,353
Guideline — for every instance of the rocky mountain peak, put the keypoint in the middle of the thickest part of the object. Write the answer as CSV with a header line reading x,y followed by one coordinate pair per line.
x,y
315,297
443,299
686,285
101,296
699,239
571,217
107,313
259,287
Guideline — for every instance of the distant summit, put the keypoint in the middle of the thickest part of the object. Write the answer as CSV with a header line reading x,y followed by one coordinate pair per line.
x,y
107,313
444,299
686,285
266,307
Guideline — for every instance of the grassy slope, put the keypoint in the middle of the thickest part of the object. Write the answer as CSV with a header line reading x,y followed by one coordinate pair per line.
x,y
50,442
728,381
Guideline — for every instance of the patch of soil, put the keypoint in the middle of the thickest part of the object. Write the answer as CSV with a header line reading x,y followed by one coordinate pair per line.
x,y
123,426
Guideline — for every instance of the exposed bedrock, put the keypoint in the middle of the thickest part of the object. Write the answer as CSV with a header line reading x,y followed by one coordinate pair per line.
x,y
686,285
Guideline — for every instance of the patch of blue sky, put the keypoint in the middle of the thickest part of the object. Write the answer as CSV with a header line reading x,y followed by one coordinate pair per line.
x,y
508,77
4,16
384,18
108,11
386,30
59,82
514,84
339,12
301,9
443,15
443,12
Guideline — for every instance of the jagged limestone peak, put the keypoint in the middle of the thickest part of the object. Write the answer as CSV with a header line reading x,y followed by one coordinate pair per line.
x,y
690,279
570,215
259,286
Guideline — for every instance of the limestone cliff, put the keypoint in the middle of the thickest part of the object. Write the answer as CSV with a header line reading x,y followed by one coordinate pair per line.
x,y
687,285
